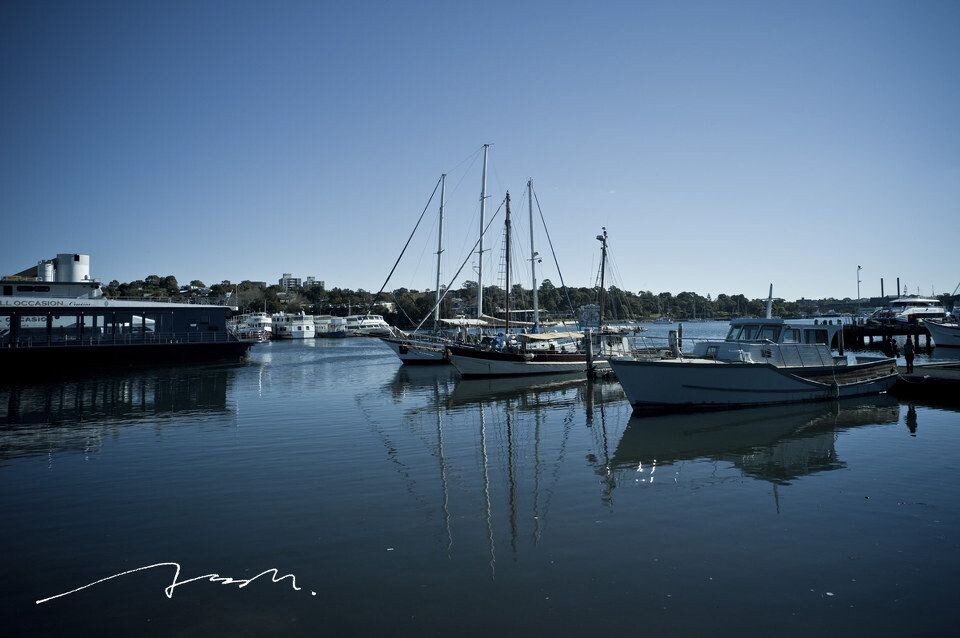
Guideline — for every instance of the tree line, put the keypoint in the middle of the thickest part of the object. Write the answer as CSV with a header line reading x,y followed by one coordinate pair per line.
x,y
406,308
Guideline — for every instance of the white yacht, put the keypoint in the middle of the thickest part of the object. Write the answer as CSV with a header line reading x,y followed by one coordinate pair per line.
x,y
910,310
368,326
293,326
762,361
255,327
330,327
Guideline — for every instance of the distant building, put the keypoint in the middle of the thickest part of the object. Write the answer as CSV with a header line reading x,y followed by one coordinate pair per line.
x,y
288,282
313,281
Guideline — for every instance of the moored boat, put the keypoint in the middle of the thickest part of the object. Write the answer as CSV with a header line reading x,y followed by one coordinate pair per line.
x,y
761,362
944,334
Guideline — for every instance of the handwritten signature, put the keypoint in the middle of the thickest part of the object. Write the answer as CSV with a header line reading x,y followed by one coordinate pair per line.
x,y
275,577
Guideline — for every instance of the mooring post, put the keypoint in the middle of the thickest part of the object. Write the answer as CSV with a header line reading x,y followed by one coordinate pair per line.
x,y
841,341
680,336
588,334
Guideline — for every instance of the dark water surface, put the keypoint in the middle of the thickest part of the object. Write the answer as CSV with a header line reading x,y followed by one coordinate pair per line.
x,y
413,504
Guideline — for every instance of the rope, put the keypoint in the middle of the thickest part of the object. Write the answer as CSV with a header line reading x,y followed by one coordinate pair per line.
x,y
396,263
553,252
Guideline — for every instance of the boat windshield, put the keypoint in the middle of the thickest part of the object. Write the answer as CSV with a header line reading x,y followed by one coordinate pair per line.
x,y
743,333
769,333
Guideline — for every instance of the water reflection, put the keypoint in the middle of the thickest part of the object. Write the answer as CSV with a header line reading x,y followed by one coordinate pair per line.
x,y
499,445
776,444
72,415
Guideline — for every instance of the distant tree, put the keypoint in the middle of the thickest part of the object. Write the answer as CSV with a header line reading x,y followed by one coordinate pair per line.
x,y
196,283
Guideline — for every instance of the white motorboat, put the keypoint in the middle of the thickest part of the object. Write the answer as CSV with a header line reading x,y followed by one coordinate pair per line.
x,y
910,310
944,334
254,327
293,326
368,326
761,362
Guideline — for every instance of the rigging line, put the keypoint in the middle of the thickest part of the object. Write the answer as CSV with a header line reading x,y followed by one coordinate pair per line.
x,y
396,263
472,155
566,292
469,255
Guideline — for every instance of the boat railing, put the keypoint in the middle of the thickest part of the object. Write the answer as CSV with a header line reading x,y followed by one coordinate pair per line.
x,y
123,339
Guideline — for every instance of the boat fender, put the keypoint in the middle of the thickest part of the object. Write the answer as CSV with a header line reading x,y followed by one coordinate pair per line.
x,y
745,357
528,356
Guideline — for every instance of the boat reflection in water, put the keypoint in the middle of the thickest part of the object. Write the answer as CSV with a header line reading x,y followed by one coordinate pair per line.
x,y
77,414
500,446
777,444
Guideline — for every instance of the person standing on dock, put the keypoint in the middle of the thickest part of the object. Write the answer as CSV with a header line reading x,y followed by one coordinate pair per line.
x,y
908,353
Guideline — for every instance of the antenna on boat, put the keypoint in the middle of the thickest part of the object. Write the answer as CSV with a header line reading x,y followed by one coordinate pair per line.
x,y
436,311
770,303
483,205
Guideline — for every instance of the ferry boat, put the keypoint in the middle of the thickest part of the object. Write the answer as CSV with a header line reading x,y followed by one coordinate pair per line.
x,y
56,319
368,326
910,310
293,326
761,362
254,327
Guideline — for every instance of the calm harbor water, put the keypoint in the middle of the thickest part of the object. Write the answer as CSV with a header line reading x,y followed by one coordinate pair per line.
x,y
408,503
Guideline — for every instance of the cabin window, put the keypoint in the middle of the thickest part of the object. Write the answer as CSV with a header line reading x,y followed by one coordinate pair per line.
x,y
7,291
770,333
734,333
749,333
815,336
791,335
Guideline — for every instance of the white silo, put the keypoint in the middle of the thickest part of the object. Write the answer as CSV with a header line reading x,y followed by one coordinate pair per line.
x,y
47,271
73,267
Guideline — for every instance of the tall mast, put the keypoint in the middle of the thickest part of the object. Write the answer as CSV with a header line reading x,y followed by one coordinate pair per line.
x,y
533,258
506,329
603,271
483,206
436,311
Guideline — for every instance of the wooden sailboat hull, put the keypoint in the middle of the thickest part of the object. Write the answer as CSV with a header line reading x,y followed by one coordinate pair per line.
x,y
474,363
414,353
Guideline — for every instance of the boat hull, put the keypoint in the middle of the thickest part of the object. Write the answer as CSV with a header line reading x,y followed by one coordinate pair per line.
x,y
944,334
488,363
687,385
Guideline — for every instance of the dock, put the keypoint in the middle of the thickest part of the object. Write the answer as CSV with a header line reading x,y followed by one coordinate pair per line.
x,y
932,381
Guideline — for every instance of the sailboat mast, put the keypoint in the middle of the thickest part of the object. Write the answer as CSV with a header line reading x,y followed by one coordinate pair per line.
x,y
506,223
533,259
436,311
603,271
483,206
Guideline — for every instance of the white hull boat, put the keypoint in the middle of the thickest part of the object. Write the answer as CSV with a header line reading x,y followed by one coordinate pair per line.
x,y
705,383
761,362
944,334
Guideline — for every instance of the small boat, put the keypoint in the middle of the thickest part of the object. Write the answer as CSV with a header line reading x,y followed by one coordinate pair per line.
x,y
944,334
761,362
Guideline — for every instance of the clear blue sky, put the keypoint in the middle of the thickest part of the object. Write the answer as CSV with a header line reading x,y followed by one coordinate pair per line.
x,y
724,145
